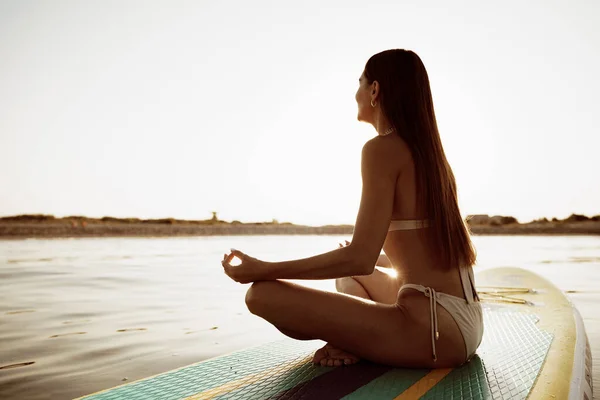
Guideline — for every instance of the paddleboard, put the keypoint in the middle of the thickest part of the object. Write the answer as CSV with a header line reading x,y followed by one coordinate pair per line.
x,y
534,347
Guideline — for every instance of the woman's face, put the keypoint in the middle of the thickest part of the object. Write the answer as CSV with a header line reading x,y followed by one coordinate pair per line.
x,y
364,95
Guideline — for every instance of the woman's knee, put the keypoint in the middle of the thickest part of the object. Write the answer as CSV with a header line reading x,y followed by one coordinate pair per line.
x,y
352,286
256,296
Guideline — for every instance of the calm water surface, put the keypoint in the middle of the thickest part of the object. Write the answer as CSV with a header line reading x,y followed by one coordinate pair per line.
x,y
94,313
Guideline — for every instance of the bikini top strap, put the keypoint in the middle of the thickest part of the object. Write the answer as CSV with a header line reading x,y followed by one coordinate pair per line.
x,y
420,288
468,284
472,279
407,224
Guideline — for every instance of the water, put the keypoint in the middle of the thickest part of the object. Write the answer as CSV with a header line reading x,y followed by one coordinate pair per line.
x,y
92,312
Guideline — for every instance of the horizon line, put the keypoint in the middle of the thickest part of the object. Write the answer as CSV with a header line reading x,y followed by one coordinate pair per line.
x,y
274,221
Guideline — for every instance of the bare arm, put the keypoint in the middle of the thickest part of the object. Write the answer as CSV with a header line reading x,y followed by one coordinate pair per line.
x,y
359,258
382,261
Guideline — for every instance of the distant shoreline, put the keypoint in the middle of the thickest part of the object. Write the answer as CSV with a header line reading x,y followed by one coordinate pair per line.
x,y
43,226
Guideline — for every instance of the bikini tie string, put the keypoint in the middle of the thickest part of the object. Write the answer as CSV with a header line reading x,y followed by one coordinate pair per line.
x,y
435,334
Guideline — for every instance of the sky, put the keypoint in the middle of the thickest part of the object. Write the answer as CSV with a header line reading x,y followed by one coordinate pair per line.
x,y
157,109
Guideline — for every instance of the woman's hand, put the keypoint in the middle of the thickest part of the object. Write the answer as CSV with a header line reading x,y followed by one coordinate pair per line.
x,y
250,269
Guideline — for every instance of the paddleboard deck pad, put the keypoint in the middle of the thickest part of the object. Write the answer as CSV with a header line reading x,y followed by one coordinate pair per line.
x,y
534,346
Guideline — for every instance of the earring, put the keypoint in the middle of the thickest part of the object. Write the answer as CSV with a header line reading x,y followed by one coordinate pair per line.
x,y
373,104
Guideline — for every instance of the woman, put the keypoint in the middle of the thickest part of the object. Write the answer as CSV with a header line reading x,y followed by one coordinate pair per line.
x,y
409,208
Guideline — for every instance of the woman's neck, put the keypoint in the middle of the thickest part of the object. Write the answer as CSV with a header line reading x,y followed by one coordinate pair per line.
x,y
382,125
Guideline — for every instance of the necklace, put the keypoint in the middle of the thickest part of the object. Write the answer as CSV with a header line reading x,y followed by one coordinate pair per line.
x,y
388,131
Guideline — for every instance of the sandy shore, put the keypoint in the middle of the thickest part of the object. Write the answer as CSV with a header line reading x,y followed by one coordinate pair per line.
x,y
66,228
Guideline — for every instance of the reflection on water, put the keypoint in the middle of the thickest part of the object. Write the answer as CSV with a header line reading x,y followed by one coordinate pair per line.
x,y
81,315
17,365
19,311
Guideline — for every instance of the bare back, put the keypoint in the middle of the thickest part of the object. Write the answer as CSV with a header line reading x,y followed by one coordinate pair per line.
x,y
408,251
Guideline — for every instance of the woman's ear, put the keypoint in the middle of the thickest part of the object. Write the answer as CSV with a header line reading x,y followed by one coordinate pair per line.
x,y
374,90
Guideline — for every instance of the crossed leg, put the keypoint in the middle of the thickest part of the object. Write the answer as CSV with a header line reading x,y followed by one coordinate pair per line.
x,y
372,330
378,286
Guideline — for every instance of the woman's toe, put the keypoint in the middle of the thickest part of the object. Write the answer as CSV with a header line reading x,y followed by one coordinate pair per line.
x,y
320,355
337,363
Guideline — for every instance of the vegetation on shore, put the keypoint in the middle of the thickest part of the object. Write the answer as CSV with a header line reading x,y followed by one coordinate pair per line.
x,y
481,219
44,218
49,226
499,220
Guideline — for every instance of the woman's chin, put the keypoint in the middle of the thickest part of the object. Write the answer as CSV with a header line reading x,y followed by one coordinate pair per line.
x,y
360,118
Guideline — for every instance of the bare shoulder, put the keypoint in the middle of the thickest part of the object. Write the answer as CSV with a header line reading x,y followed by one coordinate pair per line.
x,y
386,152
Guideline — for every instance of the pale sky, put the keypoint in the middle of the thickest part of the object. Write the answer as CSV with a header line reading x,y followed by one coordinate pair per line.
x,y
178,108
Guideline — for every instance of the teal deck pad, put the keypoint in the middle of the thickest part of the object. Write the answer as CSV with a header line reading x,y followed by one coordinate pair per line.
x,y
508,360
506,366
240,366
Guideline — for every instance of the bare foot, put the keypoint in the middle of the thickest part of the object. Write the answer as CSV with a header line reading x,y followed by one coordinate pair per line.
x,y
329,356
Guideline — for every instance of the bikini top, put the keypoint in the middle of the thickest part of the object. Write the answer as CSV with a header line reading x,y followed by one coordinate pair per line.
x,y
408,224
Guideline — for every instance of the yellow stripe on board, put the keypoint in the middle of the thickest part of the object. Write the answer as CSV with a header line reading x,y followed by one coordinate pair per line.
x,y
423,385
248,380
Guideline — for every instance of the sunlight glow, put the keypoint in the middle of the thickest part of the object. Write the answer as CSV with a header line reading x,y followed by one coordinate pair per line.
x,y
389,271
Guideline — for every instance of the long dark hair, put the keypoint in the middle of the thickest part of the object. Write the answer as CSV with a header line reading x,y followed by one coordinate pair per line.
x,y
406,101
